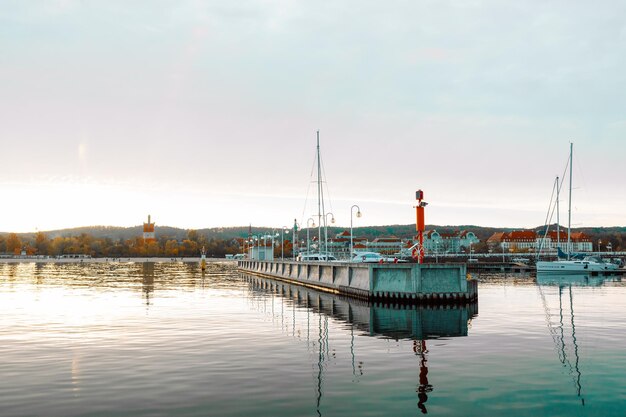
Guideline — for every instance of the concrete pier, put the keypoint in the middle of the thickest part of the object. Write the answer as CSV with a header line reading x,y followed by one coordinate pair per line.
x,y
397,283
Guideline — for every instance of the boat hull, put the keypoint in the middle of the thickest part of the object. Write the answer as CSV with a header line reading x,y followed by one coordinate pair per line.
x,y
574,267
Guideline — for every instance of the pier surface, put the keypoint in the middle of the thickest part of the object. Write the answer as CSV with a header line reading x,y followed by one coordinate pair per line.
x,y
404,283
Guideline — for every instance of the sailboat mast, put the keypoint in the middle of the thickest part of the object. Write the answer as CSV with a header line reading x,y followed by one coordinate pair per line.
x,y
569,210
558,221
319,195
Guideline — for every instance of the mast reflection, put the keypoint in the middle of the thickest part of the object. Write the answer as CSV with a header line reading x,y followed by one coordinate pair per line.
x,y
398,322
558,334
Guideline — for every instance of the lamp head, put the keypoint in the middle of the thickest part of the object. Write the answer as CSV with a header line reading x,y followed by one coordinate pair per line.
x,y
358,213
332,220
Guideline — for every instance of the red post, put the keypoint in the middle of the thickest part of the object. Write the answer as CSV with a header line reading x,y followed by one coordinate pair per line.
x,y
420,225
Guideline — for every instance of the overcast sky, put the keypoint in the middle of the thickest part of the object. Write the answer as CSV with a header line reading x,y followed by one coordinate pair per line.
x,y
204,113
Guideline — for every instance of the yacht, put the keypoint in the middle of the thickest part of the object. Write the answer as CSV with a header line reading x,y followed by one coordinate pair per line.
x,y
573,264
587,264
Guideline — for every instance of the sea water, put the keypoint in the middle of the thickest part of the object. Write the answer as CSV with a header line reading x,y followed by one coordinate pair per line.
x,y
166,339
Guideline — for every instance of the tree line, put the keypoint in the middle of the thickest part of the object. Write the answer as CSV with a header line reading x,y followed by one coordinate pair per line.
x,y
107,242
86,244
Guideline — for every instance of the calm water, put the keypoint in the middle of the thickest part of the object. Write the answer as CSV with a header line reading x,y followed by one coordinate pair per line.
x,y
164,339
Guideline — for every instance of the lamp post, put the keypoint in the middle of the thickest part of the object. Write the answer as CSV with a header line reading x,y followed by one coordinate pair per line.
x,y
282,243
358,214
332,220
274,236
253,241
294,241
310,219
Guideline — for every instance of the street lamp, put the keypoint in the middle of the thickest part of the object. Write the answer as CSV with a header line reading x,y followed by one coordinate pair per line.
x,y
310,219
282,243
358,214
253,241
332,220
274,235
294,241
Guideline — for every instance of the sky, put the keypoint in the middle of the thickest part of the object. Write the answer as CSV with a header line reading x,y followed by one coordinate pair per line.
x,y
204,113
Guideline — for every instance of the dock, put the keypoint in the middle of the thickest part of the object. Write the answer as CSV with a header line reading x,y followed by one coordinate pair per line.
x,y
392,283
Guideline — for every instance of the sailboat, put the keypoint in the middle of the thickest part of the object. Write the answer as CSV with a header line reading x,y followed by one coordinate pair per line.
x,y
320,255
572,265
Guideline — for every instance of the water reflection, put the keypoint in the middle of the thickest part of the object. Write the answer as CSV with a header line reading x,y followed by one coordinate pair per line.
x,y
569,357
584,280
400,322
147,282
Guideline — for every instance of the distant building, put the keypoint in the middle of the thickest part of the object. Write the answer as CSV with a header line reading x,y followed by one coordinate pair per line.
x,y
530,241
148,232
261,252
455,242
386,245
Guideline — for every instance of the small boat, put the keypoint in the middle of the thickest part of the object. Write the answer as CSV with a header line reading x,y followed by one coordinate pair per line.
x,y
316,257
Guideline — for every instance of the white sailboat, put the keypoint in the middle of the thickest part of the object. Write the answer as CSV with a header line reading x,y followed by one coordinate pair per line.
x,y
572,266
321,254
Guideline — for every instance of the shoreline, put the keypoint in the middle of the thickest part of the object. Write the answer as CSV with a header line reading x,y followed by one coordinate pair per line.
x,y
109,260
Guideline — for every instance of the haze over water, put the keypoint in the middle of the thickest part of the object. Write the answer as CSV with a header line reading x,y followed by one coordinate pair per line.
x,y
165,339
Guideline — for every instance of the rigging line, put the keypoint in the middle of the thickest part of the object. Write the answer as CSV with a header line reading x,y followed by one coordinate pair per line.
x,y
548,220
308,190
330,202
579,174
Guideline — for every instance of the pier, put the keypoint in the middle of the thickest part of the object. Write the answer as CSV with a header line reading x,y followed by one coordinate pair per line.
x,y
395,283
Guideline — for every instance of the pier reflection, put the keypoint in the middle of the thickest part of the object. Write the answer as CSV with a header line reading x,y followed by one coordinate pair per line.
x,y
398,322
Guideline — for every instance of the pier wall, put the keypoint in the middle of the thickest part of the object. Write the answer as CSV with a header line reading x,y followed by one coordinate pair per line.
x,y
399,282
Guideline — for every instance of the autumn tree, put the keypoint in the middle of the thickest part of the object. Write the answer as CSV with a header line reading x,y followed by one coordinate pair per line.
x,y
171,248
14,244
153,249
192,235
41,243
